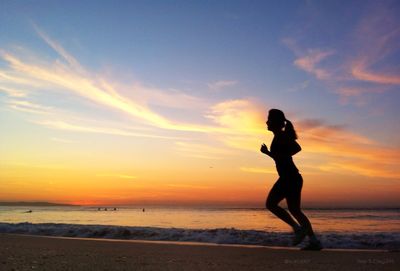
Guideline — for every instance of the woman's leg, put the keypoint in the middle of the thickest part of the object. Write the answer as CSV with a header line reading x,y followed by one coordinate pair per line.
x,y
276,195
293,200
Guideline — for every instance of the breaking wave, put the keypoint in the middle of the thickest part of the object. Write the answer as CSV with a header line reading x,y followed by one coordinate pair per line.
x,y
384,240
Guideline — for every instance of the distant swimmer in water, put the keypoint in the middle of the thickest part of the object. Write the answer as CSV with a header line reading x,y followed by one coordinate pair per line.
x,y
290,182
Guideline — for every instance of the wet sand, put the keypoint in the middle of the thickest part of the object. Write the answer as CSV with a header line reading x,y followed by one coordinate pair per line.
x,y
23,252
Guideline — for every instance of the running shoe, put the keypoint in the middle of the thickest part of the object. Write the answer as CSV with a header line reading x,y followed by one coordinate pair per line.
x,y
299,236
316,245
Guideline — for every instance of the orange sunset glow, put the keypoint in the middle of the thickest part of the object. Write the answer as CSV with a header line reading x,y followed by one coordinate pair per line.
x,y
154,110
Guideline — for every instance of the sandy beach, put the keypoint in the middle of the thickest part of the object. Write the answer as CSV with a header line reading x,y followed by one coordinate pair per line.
x,y
23,252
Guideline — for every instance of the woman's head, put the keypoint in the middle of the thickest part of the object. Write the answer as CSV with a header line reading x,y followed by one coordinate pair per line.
x,y
277,122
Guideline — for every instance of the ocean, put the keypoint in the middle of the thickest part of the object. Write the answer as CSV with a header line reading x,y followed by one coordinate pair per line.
x,y
337,228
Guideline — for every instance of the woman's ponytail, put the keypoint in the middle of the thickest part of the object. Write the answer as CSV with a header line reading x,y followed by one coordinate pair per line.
x,y
289,130
279,118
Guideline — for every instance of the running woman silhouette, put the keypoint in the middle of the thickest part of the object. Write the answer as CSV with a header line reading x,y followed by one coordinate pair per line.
x,y
290,182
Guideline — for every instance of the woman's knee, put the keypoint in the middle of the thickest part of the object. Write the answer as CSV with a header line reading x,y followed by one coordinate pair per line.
x,y
271,205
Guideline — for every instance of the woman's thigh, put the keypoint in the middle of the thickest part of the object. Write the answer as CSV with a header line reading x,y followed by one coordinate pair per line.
x,y
276,195
293,193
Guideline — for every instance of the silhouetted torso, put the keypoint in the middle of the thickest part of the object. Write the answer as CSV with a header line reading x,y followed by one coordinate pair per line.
x,y
281,147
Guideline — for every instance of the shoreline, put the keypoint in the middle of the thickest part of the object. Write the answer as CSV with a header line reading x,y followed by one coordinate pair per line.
x,y
30,252
191,243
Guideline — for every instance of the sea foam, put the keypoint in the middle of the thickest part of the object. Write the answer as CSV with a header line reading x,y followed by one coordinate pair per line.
x,y
389,241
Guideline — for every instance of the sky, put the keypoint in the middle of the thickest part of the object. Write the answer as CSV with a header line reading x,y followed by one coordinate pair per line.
x,y
165,102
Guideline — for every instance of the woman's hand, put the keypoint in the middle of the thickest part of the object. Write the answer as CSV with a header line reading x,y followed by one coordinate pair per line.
x,y
264,149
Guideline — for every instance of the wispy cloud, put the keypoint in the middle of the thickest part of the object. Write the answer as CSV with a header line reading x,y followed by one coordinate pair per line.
x,y
356,94
30,107
365,168
60,50
360,72
73,78
172,99
17,79
80,127
219,85
243,121
378,36
310,61
349,152
366,65
242,115
65,78
299,86
12,92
